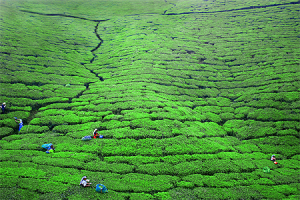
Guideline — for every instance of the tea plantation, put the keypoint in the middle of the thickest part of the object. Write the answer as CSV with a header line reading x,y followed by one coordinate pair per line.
x,y
193,97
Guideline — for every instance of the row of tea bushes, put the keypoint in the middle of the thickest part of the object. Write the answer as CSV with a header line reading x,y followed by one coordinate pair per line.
x,y
5,131
155,183
181,66
128,147
21,90
125,182
255,129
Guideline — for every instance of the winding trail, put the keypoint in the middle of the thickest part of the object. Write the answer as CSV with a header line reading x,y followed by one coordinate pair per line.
x,y
95,31
36,107
72,16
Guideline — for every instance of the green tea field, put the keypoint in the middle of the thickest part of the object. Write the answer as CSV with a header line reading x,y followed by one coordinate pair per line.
x,y
193,97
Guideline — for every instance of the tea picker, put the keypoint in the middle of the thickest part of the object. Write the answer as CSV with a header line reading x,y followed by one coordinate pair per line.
x,y
274,159
20,123
95,133
84,182
49,147
3,107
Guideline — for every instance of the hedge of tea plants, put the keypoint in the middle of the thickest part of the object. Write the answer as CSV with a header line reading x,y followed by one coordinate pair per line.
x,y
192,98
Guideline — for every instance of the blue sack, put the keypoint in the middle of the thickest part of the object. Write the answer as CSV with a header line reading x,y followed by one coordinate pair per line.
x,y
101,136
99,187
46,146
85,138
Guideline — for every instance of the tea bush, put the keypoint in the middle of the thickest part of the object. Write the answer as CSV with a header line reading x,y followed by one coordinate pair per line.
x,y
141,196
120,168
5,131
34,129
135,160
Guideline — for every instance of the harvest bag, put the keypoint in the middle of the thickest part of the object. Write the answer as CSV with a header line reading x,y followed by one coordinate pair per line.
x,y
99,187
85,138
46,146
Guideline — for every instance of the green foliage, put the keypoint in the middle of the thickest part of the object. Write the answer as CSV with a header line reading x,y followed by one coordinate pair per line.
x,y
141,196
163,196
8,122
288,132
227,116
185,184
41,185
205,129
272,114
113,124
268,192
247,148
135,160
241,192
287,125
34,129
5,131
212,117
156,169
19,114
179,122
15,108
17,193
142,183
249,129
120,168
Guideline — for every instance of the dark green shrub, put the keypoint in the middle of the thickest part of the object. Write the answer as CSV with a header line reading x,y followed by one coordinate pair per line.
x,y
140,196
247,148
135,160
208,128
120,168
141,182
5,131
8,122
17,193
113,124
227,116
185,184
15,108
57,106
267,192
42,185
209,109
287,125
19,114
162,196
192,131
182,193
212,117
34,129
8,181
156,169
213,181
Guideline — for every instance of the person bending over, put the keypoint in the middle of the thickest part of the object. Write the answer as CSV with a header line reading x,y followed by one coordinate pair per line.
x,y
84,182
95,133
273,158
20,123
